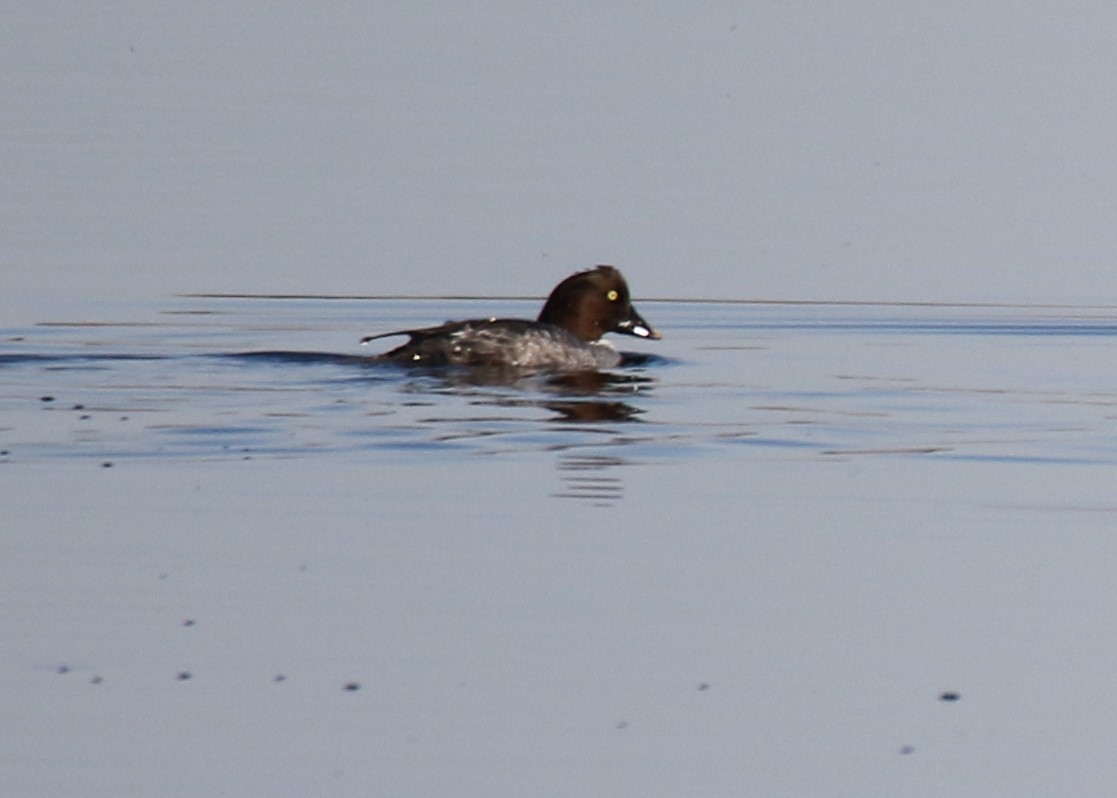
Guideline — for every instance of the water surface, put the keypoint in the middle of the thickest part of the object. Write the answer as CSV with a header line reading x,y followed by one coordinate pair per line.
x,y
789,549
244,377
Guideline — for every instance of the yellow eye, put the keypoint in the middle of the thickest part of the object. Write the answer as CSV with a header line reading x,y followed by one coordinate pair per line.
x,y
612,296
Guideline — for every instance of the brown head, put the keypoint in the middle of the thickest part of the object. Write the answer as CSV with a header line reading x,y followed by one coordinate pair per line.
x,y
592,303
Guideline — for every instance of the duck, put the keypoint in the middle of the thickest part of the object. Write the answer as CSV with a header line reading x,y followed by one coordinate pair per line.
x,y
568,335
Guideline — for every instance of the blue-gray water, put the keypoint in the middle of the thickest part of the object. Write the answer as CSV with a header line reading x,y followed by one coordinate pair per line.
x,y
254,377
798,549
753,564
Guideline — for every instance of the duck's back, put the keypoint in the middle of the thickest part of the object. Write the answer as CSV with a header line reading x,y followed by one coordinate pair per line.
x,y
503,343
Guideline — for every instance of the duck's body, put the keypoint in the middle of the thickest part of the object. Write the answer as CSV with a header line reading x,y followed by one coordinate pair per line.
x,y
567,336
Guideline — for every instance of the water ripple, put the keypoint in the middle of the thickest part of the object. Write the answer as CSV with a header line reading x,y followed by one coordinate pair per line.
x,y
795,381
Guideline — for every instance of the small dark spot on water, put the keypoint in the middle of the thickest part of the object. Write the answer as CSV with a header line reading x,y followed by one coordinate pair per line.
x,y
84,417
949,695
621,724
189,622
4,452
46,398
106,464
79,407
703,685
62,669
352,687
184,676
907,749
95,680
280,677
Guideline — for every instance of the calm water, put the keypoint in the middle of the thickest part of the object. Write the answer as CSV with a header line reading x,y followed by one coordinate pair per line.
x,y
267,378
793,550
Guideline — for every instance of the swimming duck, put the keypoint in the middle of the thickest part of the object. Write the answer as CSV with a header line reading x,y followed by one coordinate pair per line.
x,y
567,336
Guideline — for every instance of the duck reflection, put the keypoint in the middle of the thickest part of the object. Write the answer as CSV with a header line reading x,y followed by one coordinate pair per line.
x,y
590,478
588,396
590,411
591,396
585,408
586,404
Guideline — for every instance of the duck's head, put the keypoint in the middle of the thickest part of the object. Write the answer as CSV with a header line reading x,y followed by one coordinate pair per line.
x,y
594,302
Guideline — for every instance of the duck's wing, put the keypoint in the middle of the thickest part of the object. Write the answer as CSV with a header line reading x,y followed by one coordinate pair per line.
x,y
477,342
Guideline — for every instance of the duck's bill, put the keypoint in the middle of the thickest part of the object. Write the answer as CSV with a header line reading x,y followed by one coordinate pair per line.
x,y
634,325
